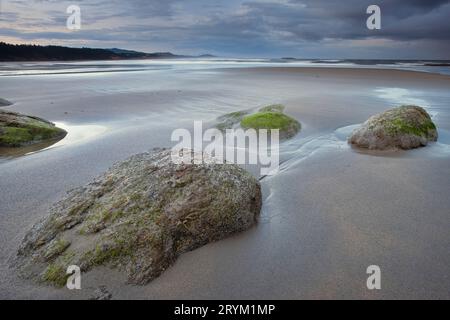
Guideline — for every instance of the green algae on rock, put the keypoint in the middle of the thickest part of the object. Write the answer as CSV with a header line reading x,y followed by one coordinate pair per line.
x,y
139,217
17,130
288,126
405,127
269,117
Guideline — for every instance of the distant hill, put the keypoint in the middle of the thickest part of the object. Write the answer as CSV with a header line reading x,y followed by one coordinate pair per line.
x,y
130,54
11,52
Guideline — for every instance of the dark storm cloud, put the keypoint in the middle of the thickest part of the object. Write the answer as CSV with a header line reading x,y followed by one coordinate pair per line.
x,y
318,20
254,27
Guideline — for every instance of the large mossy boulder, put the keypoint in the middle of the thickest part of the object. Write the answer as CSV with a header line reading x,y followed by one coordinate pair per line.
x,y
17,130
405,127
139,217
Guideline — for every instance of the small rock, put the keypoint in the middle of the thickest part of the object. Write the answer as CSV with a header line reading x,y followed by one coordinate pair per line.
x,y
101,294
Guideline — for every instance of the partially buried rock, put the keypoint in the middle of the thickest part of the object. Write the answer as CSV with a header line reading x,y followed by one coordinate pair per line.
x,y
405,127
4,103
17,130
230,120
139,217
101,294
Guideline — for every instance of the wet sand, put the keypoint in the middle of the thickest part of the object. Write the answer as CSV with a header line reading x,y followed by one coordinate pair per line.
x,y
330,213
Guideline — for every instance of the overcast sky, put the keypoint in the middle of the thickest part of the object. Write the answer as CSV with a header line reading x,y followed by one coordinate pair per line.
x,y
241,28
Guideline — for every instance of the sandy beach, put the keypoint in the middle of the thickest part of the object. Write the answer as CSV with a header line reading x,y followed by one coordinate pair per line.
x,y
330,213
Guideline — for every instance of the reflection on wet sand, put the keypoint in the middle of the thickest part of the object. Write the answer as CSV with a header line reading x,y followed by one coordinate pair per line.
x,y
17,152
78,133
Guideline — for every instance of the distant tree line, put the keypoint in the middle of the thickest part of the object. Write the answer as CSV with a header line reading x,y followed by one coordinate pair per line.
x,y
13,52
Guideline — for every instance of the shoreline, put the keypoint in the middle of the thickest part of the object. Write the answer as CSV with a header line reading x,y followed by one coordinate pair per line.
x,y
228,65
403,74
